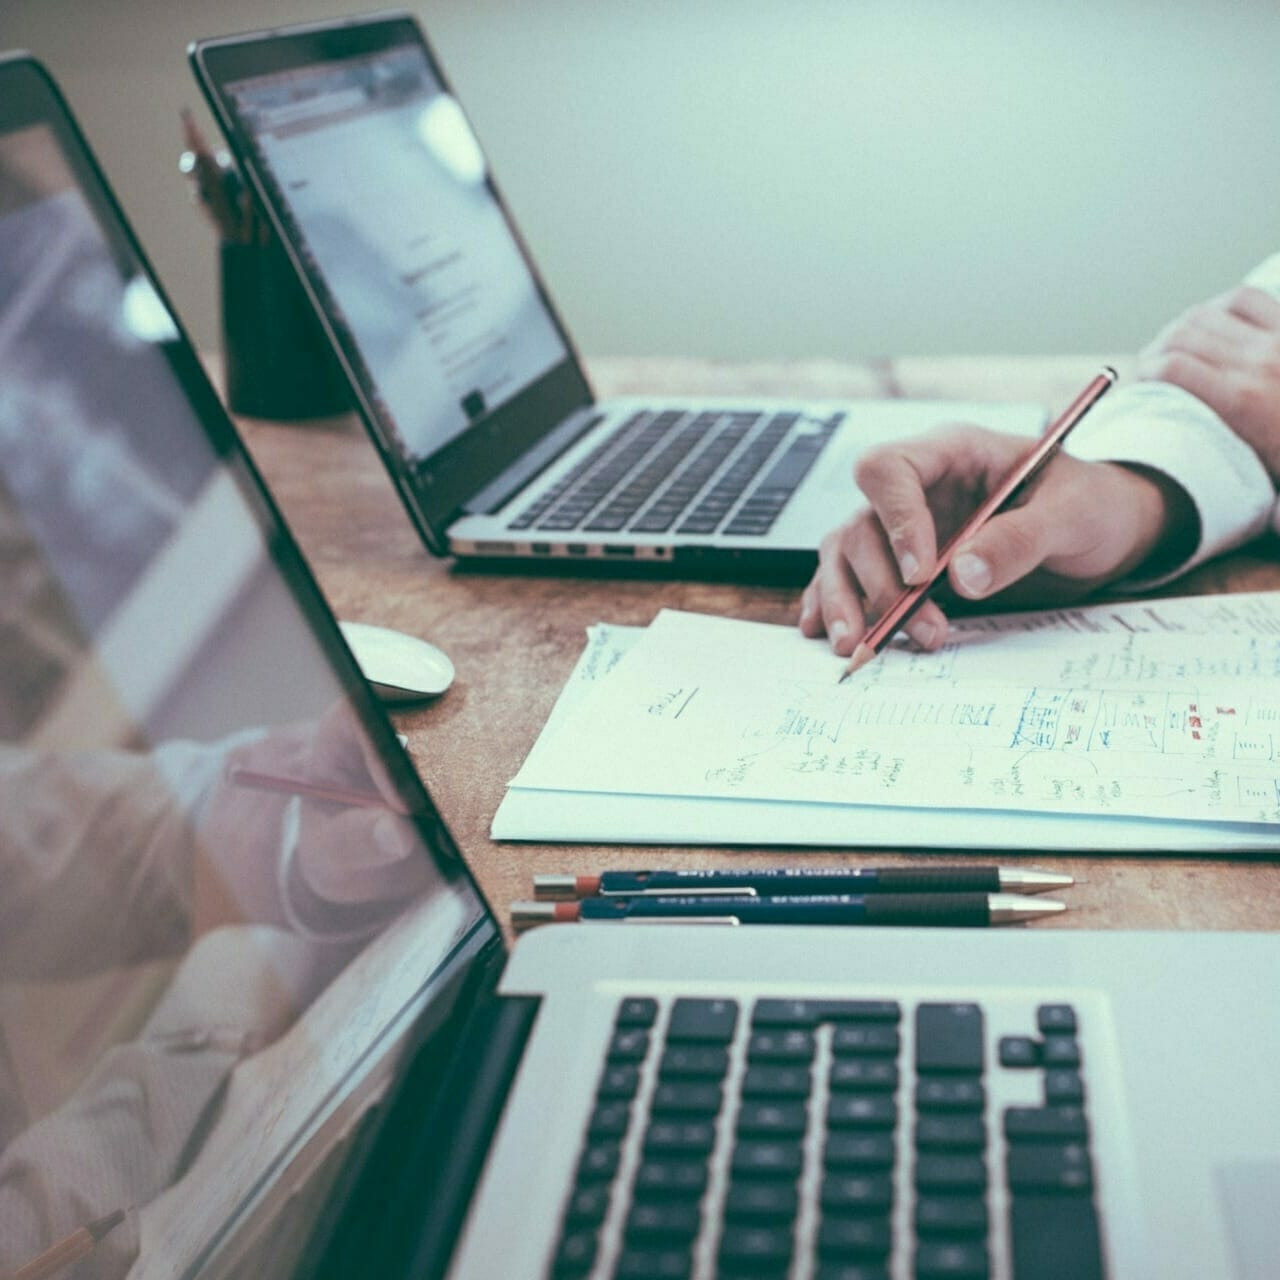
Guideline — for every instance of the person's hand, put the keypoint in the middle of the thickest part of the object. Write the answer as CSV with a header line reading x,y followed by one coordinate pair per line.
x,y
342,859
1226,352
1078,525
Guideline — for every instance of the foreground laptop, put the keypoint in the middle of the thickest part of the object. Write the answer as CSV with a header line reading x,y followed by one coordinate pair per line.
x,y
462,371
255,1020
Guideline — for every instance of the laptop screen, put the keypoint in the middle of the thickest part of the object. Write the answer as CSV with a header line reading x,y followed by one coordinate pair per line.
x,y
386,184
223,893
379,188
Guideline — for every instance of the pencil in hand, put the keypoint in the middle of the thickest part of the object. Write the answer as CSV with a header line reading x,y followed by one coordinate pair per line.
x,y
883,629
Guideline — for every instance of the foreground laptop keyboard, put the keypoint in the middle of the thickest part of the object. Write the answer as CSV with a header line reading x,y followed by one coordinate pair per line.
x,y
735,1139
686,472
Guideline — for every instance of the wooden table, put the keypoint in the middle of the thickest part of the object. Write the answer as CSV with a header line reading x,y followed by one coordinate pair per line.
x,y
514,638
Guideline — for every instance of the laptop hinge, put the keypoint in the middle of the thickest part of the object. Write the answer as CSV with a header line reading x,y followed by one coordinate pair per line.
x,y
503,487
422,1162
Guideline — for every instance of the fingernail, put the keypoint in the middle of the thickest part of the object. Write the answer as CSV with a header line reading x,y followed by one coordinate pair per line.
x,y
392,838
924,633
839,630
908,566
972,573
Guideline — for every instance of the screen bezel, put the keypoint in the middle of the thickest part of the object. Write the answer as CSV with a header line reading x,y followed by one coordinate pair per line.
x,y
435,490
29,97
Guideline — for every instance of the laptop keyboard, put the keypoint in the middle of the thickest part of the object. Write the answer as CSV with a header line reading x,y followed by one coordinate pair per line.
x,y
690,473
798,1139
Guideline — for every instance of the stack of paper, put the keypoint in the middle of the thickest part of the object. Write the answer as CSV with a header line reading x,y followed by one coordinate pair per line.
x,y
1140,726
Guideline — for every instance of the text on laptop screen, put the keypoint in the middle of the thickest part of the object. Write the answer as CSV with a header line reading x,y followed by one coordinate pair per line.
x,y
205,951
388,192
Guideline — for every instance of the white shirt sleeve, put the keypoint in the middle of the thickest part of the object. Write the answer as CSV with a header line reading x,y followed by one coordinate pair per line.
x,y
1266,275
1161,427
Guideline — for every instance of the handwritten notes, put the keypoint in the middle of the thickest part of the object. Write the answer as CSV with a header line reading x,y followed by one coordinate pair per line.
x,y
1167,711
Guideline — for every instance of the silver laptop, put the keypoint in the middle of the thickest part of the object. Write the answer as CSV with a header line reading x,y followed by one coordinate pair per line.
x,y
256,1020
462,371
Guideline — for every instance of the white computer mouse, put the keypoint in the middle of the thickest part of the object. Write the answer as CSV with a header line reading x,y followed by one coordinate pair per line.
x,y
401,667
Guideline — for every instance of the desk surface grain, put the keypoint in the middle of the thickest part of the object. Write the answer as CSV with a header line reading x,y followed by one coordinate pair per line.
x,y
515,638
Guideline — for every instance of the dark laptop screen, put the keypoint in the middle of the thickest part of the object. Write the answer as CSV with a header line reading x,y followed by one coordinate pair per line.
x,y
223,895
386,187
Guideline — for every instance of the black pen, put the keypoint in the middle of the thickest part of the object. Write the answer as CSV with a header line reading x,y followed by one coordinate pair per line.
x,y
801,880
971,909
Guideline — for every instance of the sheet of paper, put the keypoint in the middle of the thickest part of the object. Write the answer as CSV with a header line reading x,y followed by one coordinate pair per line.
x,y
603,817
1244,613
1115,722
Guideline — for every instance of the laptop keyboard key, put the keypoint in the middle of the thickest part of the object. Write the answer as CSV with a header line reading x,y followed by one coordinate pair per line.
x,y
953,1260
950,1133
637,1011
710,1021
619,1082
808,1013
772,1119
764,1199
1063,1086
680,1178
663,1221
1056,1019
851,1271
872,1075
1060,1051
951,1216
755,1251
1055,1238
629,1045
857,1193
680,1138
777,1082
686,1097
599,1162
950,1173
854,1238
754,1158
949,1038
609,1120
654,1264
1019,1051
587,1206
694,1062
1043,1166
1045,1124
575,1255
780,1046
950,1095
862,1111
858,1151
873,1040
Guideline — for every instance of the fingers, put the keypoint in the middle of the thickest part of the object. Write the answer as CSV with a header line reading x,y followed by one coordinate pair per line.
x,y
1256,306
916,491
361,856
342,752
857,579
1080,524
1087,522
1005,550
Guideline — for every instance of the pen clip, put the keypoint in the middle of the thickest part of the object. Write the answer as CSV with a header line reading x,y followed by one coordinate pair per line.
x,y
679,920
722,891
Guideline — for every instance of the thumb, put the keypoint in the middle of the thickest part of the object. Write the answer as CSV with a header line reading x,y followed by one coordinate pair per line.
x,y
1007,548
362,856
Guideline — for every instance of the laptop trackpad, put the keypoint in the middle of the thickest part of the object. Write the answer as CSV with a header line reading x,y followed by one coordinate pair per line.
x,y
1250,1192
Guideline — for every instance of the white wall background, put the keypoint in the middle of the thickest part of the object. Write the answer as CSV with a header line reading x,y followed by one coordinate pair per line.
x,y
752,178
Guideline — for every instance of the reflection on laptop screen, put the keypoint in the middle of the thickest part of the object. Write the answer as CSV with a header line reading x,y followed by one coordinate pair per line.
x,y
201,970
387,188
